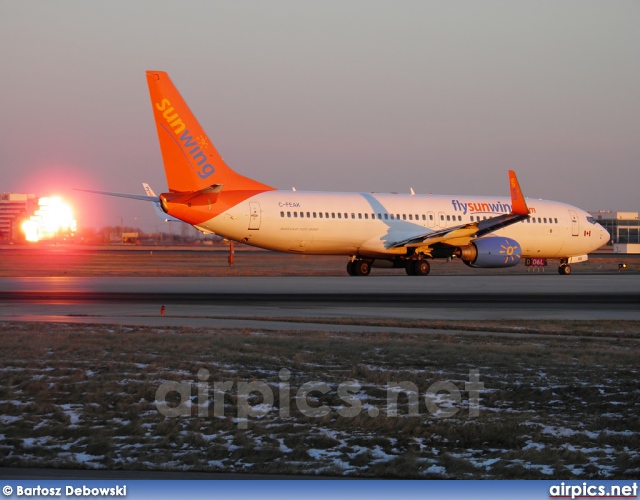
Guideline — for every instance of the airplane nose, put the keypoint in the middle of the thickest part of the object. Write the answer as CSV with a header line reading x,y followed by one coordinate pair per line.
x,y
604,234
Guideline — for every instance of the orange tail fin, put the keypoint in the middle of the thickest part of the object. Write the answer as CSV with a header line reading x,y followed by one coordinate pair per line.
x,y
191,162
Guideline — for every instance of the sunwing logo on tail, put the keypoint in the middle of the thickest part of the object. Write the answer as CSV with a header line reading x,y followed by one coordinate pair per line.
x,y
192,146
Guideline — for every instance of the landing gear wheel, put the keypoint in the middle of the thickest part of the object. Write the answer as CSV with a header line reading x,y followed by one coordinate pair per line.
x,y
409,268
564,269
361,268
351,268
420,268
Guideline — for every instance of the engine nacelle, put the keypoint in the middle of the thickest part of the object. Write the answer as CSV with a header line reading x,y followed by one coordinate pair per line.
x,y
490,252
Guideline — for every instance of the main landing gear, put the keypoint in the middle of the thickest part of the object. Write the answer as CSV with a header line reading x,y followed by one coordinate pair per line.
x,y
418,268
358,267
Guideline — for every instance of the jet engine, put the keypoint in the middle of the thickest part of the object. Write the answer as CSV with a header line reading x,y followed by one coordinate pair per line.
x,y
490,252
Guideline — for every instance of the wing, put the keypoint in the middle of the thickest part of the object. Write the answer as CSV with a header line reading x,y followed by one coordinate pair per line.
x,y
463,234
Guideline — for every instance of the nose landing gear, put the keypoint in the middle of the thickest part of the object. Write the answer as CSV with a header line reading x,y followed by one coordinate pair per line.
x,y
564,268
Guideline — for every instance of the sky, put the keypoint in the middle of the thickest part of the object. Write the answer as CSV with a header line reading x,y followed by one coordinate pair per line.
x,y
439,96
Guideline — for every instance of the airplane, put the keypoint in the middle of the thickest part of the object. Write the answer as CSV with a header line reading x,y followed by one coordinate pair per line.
x,y
387,230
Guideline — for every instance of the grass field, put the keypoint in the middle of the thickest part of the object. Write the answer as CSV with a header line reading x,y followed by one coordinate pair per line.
x,y
86,396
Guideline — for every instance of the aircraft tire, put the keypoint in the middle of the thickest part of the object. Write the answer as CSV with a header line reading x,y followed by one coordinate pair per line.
x,y
564,269
351,268
420,268
361,268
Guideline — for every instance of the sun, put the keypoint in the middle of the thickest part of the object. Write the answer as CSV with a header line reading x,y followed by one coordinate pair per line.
x,y
53,218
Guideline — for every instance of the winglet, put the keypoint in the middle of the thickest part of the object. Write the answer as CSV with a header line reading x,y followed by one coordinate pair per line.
x,y
148,189
518,204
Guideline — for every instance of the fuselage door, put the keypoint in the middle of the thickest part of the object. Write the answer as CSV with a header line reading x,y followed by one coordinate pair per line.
x,y
254,215
431,219
575,225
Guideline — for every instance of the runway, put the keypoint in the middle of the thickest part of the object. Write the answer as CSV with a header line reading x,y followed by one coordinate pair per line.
x,y
195,301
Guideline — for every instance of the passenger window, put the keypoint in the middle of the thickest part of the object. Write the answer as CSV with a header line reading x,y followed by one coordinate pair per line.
x,y
555,220
459,218
484,218
448,217
366,216
545,220
288,214
404,216
333,215
533,220
424,217
320,214
539,221
295,214
314,215
302,215
326,215
410,217
430,217
373,216
386,216
339,215
353,216
391,216
346,216
308,215
359,216
281,214
442,217
472,218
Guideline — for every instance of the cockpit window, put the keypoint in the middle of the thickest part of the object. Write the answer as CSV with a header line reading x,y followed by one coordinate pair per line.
x,y
592,220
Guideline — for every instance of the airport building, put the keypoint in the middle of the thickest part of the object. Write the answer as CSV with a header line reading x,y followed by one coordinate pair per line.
x,y
624,228
15,208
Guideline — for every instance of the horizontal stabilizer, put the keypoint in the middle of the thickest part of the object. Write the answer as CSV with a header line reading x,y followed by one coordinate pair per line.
x,y
123,195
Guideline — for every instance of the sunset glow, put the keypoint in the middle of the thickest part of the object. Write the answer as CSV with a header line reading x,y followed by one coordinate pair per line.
x,y
53,218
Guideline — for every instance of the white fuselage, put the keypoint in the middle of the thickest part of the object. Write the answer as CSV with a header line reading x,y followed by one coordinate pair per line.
x,y
363,224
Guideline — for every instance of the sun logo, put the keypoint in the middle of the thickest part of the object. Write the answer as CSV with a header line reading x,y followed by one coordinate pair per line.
x,y
202,142
510,252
